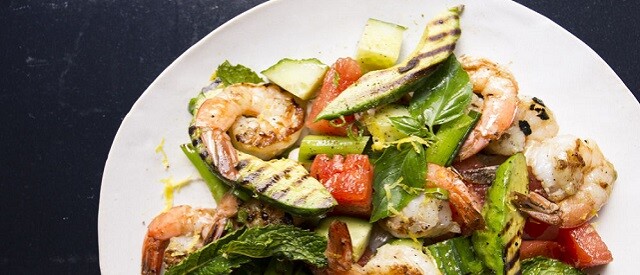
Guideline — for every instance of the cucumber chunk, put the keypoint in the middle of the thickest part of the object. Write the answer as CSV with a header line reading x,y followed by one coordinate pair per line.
x,y
299,77
380,44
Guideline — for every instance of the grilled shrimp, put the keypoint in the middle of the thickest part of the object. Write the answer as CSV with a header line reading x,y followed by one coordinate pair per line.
x,y
499,92
426,216
576,177
175,234
534,121
261,119
397,259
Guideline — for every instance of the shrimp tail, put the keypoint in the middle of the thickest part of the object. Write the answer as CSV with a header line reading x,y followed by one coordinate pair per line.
x,y
153,254
538,207
466,202
339,250
222,152
228,208
470,212
472,145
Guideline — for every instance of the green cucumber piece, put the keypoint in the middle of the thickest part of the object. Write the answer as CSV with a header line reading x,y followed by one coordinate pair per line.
x,y
545,266
388,85
380,44
299,77
456,256
380,126
450,138
359,230
283,183
312,145
498,245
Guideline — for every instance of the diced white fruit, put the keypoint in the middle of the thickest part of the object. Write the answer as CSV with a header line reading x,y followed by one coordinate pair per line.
x,y
299,77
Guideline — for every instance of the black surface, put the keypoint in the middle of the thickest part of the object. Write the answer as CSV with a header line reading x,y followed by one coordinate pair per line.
x,y
71,70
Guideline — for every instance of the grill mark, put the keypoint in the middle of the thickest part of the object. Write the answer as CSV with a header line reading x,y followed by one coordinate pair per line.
x,y
275,178
327,202
539,101
286,171
301,200
524,127
253,176
299,181
443,20
415,60
505,228
441,35
280,194
511,262
270,182
242,164
542,111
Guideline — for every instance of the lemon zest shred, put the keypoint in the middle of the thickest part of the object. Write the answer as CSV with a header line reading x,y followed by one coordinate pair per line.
x,y
165,158
169,187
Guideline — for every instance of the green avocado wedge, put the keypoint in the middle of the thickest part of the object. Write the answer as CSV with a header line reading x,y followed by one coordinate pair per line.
x,y
388,85
283,183
498,245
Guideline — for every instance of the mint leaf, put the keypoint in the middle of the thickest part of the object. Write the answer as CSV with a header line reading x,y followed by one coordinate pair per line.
x,y
230,74
399,177
244,245
280,241
445,95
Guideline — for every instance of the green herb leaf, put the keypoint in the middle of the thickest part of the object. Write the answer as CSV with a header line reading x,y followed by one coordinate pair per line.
x,y
410,126
445,95
242,246
399,177
230,74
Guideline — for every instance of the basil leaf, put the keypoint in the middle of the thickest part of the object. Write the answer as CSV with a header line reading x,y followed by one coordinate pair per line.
x,y
244,245
445,95
410,126
230,74
399,176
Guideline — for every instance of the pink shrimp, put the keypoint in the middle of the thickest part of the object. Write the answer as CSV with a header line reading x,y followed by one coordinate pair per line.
x,y
196,227
261,118
499,92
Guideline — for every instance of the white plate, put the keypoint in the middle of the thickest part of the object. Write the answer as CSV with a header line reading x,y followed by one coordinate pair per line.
x,y
588,98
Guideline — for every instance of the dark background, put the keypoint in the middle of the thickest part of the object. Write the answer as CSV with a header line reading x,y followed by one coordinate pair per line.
x,y
71,70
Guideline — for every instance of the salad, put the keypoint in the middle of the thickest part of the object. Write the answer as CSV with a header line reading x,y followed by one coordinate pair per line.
x,y
434,164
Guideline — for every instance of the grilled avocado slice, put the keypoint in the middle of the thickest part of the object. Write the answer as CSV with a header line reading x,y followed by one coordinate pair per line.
x,y
498,245
283,183
388,85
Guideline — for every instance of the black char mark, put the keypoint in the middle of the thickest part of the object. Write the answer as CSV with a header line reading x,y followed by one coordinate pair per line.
x,y
539,101
416,59
253,177
524,127
542,111
441,35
